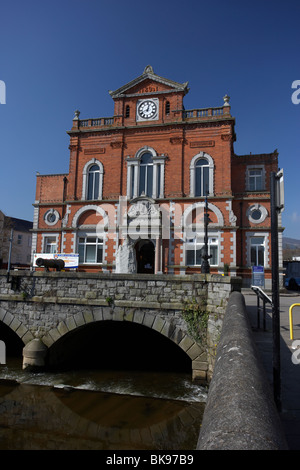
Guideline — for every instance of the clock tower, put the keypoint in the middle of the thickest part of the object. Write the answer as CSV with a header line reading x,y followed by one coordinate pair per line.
x,y
149,98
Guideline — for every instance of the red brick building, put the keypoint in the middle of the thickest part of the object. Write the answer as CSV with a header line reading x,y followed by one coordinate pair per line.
x,y
134,197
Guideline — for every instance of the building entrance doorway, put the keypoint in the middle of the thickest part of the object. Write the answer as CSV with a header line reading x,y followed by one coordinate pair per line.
x,y
145,256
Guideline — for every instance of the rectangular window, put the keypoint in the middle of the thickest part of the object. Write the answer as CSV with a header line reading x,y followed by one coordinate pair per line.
x,y
131,168
195,250
50,245
90,249
149,188
257,251
146,180
19,242
93,185
202,179
255,179
143,180
158,180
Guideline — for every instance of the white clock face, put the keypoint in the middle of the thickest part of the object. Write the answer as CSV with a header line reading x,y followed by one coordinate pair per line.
x,y
147,109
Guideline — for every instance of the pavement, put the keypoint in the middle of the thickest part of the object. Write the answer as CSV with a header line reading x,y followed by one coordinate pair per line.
x,y
289,410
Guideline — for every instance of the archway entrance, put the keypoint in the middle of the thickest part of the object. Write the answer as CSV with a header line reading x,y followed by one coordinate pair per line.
x,y
145,256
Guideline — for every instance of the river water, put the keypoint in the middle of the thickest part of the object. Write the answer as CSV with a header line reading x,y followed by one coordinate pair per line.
x,y
98,409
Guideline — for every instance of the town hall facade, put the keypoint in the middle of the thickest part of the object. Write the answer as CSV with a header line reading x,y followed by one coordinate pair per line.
x,y
141,182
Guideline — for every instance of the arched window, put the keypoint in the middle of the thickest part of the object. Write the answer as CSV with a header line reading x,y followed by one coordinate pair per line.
x,y
146,175
201,175
93,182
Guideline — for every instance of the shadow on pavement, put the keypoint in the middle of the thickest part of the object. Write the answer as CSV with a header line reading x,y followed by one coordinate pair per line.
x,y
289,372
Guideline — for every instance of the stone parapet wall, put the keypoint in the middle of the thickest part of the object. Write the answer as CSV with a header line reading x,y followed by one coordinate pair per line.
x,y
240,413
158,291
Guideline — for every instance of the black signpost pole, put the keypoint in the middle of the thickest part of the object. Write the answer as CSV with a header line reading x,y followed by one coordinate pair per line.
x,y
275,293
205,268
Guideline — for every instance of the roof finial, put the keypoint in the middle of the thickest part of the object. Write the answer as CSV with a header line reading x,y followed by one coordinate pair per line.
x,y
148,69
226,100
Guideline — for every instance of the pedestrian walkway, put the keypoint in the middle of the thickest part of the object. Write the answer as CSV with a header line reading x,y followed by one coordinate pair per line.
x,y
289,372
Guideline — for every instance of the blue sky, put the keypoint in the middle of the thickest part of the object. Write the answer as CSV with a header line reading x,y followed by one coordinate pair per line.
x,y
64,55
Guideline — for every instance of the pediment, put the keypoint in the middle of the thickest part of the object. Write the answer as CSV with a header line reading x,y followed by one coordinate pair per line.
x,y
147,83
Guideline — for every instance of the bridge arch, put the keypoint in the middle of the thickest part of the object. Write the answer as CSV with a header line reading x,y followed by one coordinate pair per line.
x,y
15,325
164,326
13,333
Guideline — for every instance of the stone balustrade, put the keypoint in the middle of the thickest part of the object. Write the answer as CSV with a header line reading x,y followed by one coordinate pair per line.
x,y
184,115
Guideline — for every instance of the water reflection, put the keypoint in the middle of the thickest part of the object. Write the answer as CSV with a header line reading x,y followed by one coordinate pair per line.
x,y
99,410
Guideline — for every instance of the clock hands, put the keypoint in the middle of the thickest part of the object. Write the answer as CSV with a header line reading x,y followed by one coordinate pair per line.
x,y
147,109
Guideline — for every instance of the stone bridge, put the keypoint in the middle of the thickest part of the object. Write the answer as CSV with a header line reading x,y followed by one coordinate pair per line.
x,y
45,308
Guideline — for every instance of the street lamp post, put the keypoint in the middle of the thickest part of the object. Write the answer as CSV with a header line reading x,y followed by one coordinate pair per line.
x,y
9,254
205,269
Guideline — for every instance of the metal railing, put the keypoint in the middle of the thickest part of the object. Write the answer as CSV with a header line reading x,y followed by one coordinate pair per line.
x,y
261,295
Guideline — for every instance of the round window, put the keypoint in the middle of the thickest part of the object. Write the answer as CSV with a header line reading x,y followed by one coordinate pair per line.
x,y
256,214
51,217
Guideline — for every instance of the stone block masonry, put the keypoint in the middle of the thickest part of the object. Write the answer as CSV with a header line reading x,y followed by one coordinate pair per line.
x,y
240,413
48,305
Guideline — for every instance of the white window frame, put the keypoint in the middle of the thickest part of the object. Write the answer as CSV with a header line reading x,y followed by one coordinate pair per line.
x,y
249,178
265,236
85,179
133,174
258,247
45,242
99,242
51,214
148,167
257,207
197,243
210,165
